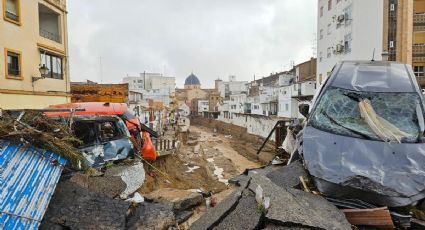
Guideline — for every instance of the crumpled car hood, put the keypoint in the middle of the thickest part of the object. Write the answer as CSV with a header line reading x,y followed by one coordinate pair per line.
x,y
382,173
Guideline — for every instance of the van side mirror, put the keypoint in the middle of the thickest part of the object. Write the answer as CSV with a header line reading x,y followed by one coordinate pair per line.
x,y
303,108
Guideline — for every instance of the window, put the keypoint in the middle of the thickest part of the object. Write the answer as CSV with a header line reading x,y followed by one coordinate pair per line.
x,y
329,52
49,23
329,28
12,11
13,66
348,11
321,11
321,34
419,71
320,56
286,107
347,43
338,1
54,63
329,4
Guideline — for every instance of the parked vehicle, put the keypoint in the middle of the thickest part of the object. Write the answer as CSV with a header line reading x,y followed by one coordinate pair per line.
x,y
363,137
104,138
132,122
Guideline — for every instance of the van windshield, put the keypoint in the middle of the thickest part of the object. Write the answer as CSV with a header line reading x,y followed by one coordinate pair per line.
x,y
390,117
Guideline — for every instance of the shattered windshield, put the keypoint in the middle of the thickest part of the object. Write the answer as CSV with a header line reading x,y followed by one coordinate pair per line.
x,y
391,117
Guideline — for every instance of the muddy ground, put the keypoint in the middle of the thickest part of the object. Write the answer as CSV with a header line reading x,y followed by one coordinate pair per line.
x,y
206,162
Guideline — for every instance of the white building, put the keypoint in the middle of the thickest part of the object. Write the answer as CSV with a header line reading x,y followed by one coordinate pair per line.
x,y
203,106
184,110
149,81
226,88
153,86
224,109
348,30
136,102
237,103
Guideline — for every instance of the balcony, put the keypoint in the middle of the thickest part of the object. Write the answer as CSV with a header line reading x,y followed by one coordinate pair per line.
x,y
419,22
418,51
49,22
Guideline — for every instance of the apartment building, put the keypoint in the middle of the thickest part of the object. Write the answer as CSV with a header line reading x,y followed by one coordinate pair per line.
x,y
150,81
226,88
418,40
348,30
353,29
154,86
34,69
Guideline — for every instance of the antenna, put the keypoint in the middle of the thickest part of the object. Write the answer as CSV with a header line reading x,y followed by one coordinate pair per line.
x,y
373,55
101,72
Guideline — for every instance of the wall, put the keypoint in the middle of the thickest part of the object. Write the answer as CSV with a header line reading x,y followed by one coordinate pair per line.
x,y
18,101
25,38
256,125
99,93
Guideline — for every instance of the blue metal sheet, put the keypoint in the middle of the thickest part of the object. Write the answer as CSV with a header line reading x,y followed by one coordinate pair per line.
x,y
28,178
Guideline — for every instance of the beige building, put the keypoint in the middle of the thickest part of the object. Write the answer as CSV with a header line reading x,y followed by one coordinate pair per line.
x,y
404,34
34,68
193,92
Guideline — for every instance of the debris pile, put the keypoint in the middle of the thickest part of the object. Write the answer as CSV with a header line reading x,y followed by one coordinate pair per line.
x,y
37,129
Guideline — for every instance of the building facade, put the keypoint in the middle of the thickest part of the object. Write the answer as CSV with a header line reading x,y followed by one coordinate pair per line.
x,y
390,30
34,67
348,30
153,86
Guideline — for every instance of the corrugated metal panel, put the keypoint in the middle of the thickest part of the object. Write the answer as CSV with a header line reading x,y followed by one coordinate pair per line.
x,y
28,178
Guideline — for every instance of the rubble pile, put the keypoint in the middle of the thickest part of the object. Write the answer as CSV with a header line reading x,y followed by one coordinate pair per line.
x,y
38,130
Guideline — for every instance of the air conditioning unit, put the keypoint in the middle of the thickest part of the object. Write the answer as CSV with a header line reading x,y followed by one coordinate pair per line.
x,y
339,48
340,18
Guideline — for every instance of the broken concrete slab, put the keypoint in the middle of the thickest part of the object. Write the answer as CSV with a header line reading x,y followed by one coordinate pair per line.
x,y
271,226
112,186
288,176
292,207
75,207
152,216
133,175
213,216
246,215
181,199
183,216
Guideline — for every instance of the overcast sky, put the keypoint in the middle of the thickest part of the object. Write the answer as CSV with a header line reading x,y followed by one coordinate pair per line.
x,y
212,38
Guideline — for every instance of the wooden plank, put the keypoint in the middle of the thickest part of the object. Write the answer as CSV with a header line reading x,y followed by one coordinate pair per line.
x,y
377,217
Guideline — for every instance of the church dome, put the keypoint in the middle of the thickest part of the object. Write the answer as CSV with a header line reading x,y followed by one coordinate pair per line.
x,y
192,80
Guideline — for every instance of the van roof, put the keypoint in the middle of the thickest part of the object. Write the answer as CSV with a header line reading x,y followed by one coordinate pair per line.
x,y
91,108
373,76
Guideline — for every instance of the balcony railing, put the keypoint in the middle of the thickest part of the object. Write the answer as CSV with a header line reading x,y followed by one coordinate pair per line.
x,y
419,18
49,35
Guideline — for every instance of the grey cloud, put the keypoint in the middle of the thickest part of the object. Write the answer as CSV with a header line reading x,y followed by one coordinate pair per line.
x,y
213,38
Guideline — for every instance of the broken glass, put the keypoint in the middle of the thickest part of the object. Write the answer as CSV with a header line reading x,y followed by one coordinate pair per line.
x,y
338,112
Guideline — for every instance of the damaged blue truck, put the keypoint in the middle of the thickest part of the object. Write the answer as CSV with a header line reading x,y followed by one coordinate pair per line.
x,y
363,138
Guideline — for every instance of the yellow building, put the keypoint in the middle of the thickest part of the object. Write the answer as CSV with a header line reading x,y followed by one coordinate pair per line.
x,y
404,34
34,68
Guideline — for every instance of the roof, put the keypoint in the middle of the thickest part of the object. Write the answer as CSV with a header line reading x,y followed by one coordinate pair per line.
x,y
91,108
373,76
192,79
28,180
